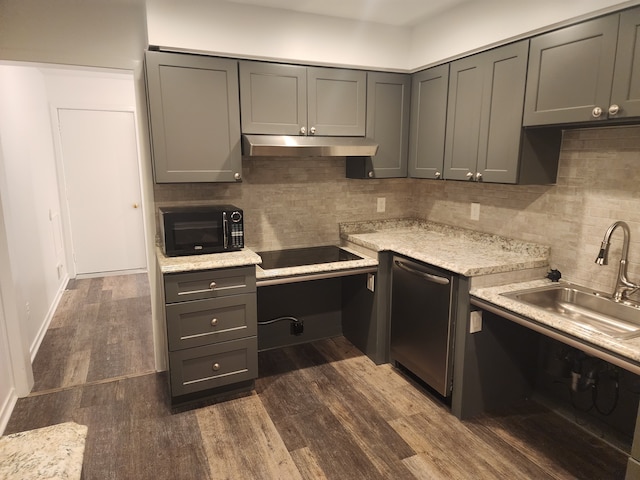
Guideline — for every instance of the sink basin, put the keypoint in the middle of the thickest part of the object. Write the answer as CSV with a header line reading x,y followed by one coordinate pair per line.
x,y
589,309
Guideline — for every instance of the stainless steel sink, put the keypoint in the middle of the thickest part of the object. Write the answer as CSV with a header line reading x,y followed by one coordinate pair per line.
x,y
589,309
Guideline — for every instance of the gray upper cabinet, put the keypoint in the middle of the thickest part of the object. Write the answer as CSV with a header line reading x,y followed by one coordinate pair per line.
x,y
428,119
483,132
388,104
586,72
195,118
282,99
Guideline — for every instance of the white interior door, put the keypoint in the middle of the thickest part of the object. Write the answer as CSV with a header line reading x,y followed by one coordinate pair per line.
x,y
102,181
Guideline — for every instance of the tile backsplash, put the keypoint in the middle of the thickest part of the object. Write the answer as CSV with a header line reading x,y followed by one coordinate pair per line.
x,y
291,202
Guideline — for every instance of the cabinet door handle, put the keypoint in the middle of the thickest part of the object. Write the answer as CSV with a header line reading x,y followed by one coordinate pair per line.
x,y
437,174
214,322
215,367
212,286
303,131
614,109
370,174
312,131
478,177
596,112
469,175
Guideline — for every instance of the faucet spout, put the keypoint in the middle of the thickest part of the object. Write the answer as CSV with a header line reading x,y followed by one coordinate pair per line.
x,y
623,287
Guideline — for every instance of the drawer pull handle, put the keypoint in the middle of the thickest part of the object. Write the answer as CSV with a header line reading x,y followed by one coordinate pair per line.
x,y
215,367
214,322
212,286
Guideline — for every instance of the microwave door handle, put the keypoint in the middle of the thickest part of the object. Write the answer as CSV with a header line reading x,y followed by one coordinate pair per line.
x,y
225,230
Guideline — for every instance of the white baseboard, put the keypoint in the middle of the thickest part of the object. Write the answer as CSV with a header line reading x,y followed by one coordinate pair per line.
x,y
7,409
35,346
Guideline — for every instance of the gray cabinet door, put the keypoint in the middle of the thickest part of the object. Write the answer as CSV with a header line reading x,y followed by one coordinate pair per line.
x,y
464,113
484,121
388,104
570,73
273,98
502,105
195,118
626,81
428,119
337,101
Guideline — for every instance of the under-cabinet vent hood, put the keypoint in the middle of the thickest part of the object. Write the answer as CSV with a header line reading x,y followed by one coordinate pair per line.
x,y
299,146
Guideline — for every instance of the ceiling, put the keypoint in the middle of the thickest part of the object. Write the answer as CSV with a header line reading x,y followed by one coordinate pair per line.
x,y
390,12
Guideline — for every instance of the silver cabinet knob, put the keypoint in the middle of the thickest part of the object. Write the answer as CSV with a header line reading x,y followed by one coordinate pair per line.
x,y
370,174
215,367
614,109
469,175
212,286
214,322
303,131
478,177
312,131
596,112
437,174
237,176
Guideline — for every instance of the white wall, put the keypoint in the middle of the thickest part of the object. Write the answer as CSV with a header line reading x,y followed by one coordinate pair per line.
x,y
221,28
30,198
473,25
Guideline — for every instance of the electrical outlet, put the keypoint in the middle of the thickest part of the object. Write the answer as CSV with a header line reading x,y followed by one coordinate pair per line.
x,y
381,204
475,211
371,282
475,324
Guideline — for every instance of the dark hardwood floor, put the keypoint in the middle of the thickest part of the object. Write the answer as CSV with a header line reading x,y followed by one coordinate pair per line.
x,y
319,411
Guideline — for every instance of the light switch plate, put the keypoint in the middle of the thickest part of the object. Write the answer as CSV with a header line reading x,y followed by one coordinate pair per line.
x,y
475,325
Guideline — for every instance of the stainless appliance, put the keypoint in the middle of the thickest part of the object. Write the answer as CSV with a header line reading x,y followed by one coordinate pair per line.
x,y
201,229
422,312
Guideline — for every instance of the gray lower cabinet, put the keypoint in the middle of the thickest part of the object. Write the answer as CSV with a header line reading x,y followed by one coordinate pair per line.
x,y
281,99
194,117
211,322
428,120
388,116
589,72
483,132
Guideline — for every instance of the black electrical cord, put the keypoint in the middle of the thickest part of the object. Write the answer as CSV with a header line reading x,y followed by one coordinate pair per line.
x,y
594,397
279,319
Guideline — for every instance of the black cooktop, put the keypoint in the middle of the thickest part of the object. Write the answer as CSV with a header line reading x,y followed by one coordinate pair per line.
x,y
295,257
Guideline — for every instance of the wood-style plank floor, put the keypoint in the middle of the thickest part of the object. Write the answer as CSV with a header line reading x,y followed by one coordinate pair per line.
x,y
319,411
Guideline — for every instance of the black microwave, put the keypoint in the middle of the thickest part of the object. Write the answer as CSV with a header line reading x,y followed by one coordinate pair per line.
x,y
201,229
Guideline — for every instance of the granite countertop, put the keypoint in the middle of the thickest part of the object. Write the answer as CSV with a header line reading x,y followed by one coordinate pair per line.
x,y
45,453
629,349
458,250
191,263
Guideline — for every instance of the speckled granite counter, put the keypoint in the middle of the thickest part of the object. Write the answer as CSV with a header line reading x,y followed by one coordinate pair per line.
x,y
459,250
191,263
629,349
53,452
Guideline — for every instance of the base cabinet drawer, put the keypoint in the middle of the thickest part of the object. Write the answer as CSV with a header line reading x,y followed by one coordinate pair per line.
x,y
196,369
182,287
203,322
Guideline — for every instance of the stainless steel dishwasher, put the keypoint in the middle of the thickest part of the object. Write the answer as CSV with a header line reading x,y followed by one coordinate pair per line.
x,y
422,321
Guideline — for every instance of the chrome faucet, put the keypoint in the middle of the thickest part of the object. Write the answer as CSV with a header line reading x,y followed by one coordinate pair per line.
x,y
623,287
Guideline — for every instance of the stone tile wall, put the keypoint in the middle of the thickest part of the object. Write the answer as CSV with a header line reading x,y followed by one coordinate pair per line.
x,y
299,202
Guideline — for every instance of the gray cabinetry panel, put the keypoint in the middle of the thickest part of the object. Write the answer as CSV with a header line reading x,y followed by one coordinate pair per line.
x,y
484,137
626,81
273,98
194,116
181,287
428,119
388,105
570,73
279,99
336,101
201,368
202,322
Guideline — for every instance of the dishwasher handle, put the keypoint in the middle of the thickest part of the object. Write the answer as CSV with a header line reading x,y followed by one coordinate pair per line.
x,y
424,275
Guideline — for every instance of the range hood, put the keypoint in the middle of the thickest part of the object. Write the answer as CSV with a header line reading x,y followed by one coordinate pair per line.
x,y
300,146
